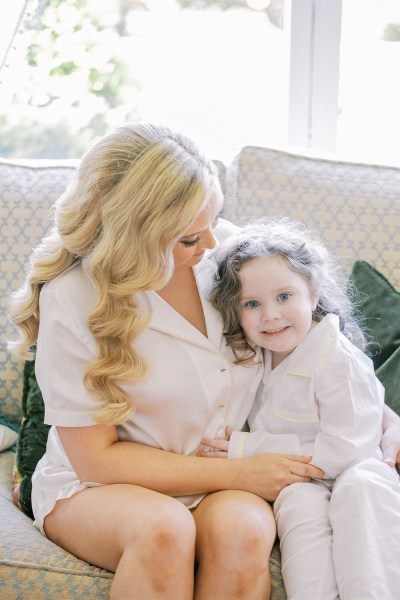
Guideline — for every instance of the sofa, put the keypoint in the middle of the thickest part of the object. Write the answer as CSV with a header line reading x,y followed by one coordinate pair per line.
x,y
355,206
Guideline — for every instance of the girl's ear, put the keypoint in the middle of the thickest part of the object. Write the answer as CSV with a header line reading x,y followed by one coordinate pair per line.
x,y
314,300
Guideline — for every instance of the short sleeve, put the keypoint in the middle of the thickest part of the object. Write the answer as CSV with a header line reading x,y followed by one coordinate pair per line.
x,y
65,349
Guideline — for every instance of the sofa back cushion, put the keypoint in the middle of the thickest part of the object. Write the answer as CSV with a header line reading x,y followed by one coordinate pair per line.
x,y
27,191
356,207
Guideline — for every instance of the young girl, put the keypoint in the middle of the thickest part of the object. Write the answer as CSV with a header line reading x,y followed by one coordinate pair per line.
x,y
278,288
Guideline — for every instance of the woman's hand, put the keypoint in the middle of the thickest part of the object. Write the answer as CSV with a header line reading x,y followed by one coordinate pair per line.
x,y
268,474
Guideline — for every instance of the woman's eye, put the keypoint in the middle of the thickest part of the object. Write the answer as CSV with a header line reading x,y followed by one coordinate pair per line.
x,y
252,304
189,244
217,218
283,297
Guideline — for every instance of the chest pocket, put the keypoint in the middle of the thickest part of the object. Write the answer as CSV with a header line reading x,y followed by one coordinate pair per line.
x,y
293,405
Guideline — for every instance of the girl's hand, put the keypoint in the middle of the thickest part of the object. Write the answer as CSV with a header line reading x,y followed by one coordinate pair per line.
x,y
219,447
390,445
390,442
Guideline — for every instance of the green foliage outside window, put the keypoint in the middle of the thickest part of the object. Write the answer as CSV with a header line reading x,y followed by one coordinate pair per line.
x,y
71,86
75,79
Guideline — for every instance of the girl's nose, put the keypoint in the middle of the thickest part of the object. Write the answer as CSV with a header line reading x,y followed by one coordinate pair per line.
x,y
270,311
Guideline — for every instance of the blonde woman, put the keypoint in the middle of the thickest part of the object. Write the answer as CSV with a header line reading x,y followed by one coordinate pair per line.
x,y
134,371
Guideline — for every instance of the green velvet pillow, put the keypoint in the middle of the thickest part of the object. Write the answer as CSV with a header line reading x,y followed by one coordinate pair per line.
x,y
32,439
380,307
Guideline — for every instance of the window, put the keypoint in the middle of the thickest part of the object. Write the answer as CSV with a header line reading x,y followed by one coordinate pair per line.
x,y
319,75
216,70
369,90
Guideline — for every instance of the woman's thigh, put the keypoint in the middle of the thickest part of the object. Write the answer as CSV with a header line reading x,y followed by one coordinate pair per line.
x,y
99,524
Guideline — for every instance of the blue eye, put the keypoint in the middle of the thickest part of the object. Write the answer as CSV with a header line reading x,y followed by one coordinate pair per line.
x,y
252,304
190,243
284,297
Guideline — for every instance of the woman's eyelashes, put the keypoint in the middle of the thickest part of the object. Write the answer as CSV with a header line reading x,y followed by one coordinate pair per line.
x,y
190,243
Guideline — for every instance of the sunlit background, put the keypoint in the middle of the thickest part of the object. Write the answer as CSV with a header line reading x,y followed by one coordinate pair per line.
x,y
220,71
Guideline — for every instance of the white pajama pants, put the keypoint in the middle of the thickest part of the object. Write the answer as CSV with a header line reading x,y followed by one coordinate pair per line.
x,y
343,543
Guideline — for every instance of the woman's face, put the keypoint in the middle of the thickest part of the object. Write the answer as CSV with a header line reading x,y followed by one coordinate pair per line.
x,y
189,249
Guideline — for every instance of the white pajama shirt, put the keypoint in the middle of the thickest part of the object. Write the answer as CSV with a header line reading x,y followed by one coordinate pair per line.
x,y
323,399
193,389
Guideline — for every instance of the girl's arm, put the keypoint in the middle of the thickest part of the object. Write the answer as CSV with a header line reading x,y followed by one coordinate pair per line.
x,y
350,403
96,455
390,443
243,443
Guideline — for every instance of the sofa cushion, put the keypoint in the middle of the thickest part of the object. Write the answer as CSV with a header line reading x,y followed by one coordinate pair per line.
x,y
355,206
31,566
27,191
379,305
8,434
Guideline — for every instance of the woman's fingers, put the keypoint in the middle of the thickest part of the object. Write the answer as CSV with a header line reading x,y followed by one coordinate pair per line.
x,y
270,473
299,465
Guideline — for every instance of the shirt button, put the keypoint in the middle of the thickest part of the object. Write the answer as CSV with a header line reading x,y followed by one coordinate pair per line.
x,y
221,407
223,371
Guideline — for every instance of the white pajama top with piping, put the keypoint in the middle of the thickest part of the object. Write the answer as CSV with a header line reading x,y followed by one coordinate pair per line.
x,y
323,400
193,389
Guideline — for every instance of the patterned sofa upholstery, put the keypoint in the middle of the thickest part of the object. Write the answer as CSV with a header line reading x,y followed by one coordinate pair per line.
x,y
356,206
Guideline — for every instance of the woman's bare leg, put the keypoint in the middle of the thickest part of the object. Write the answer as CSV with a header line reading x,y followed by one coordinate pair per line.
x,y
147,539
235,535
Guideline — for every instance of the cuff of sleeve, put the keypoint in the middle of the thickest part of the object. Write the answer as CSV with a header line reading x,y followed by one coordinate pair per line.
x,y
236,444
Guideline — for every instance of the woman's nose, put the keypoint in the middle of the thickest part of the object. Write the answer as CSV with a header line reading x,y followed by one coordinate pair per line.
x,y
208,239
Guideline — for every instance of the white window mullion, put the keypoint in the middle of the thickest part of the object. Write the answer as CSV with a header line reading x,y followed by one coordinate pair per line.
x,y
314,73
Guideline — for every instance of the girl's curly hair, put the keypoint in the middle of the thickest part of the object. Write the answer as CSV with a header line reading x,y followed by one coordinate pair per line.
x,y
305,254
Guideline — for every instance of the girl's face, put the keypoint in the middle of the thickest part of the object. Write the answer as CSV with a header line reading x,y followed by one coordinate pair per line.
x,y
189,249
276,306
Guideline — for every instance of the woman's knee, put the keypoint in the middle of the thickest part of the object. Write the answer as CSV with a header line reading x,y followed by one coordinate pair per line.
x,y
235,526
168,530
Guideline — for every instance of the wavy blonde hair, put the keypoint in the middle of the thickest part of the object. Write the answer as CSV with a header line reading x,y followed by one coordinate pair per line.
x,y
134,194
